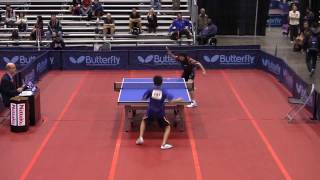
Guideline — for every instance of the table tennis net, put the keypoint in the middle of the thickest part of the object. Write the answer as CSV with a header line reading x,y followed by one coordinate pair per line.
x,y
148,85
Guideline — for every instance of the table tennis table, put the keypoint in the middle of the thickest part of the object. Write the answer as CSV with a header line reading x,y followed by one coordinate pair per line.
x,y
132,90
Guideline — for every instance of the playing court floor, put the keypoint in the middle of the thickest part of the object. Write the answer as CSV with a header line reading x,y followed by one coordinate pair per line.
x,y
237,132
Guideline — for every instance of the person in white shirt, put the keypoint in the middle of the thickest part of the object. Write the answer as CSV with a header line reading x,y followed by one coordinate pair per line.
x,y
294,21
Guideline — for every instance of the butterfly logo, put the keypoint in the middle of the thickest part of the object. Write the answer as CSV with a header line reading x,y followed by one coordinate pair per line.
x,y
148,59
12,60
212,59
79,60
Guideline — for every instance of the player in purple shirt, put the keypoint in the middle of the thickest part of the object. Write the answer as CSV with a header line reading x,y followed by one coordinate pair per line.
x,y
156,111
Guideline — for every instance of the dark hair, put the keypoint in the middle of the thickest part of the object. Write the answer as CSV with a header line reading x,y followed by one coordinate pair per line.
x,y
184,55
157,80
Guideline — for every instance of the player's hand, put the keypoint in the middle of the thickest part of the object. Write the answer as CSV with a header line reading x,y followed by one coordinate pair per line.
x,y
20,89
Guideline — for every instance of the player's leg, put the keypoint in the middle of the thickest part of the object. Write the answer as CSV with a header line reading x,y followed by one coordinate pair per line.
x,y
164,123
142,130
190,78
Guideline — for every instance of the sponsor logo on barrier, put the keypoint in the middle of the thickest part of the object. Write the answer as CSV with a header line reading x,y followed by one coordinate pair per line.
x,y
42,66
274,21
230,59
51,60
288,79
22,60
271,66
21,114
13,112
303,93
96,60
30,77
157,60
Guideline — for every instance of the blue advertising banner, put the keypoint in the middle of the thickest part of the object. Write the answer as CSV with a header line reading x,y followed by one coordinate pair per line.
x,y
55,59
228,58
156,59
20,58
271,64
77,60
275,20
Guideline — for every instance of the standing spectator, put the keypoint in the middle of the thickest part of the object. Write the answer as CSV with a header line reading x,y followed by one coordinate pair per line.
x,y
37,30
152,21
311,45
54,25
22,22
298,42
10,16
207,32
57,42
108,26
156,4
180,27
75,8
294,18
309,17
134,20
86,9
202,20
97,9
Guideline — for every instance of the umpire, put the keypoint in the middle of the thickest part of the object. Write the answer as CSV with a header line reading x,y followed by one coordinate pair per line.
x,y
7,86
311,46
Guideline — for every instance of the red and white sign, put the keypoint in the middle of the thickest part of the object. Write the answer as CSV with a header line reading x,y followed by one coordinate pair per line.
x,y
21,114
13,112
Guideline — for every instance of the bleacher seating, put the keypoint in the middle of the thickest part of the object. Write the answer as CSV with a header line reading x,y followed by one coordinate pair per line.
x,y
78,31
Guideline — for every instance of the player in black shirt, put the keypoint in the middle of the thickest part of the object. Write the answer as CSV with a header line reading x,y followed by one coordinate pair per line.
x,y
189,67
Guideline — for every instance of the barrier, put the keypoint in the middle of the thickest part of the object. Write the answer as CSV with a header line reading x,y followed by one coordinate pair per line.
x,y
33,64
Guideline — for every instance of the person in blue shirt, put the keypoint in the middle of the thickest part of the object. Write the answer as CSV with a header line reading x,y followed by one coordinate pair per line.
x,y
156,111
209,31
180,27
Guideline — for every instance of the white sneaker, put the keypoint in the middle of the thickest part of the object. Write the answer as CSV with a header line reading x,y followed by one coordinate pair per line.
x,y
139,141
194,103
166,146
190,105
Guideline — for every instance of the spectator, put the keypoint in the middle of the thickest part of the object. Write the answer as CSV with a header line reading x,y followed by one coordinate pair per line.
x,y
8,85
202,20
311,46
109,26
156,4
54,25
180,27
207,32
176,4
135,20
86,9
309,17
75,8
294,18
22,22
97,9
37,30
57,42
152,21
10,16
298,43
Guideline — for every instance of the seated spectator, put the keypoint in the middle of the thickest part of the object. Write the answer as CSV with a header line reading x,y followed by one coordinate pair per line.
x,y
97,9
202,20
57,42
10,17
54,26
135,21
108,26
152,21
207,32
22,22
180,27
298,42
156,4
86,9
37,30
75,8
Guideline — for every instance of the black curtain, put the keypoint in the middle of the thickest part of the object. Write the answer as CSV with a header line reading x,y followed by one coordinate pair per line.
x,y
237,16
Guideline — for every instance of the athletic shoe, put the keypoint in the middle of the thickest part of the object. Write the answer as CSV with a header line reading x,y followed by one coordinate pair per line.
x,y
194,103
312,72
190,105
166,146
139,141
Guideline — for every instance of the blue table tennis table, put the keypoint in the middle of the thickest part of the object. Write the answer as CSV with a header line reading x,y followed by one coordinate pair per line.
x,y
132,90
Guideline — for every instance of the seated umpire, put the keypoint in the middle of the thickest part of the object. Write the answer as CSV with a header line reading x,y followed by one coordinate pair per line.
x,y
7,86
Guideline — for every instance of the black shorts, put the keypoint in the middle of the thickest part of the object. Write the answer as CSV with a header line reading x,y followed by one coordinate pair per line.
x,y
163,122
188,75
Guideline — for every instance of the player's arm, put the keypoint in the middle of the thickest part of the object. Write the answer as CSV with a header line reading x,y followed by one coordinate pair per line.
x,y
197,63
170,53
170,98
146,95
